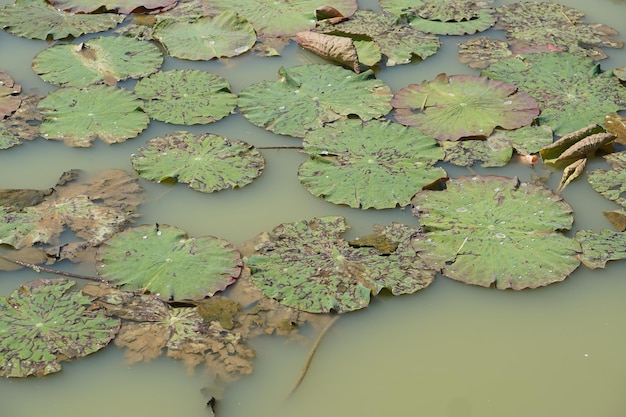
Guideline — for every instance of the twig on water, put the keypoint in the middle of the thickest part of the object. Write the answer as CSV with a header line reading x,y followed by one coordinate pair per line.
x,y
38,269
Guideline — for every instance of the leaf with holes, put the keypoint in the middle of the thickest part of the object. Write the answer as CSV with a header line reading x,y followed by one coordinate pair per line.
x,y
599,248
611,183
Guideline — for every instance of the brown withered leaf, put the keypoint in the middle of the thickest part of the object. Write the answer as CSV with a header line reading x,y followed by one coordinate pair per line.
x,y
337,48
616,124
551,153
24,122
9,98
571,172
586,147
617,219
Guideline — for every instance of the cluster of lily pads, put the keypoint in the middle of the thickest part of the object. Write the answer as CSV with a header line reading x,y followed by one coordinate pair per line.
x,y
368,148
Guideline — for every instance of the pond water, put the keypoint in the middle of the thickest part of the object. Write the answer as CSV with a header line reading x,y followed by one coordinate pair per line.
x,y
452,350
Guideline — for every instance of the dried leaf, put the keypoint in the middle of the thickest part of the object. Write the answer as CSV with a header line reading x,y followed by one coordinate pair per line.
x,y
571,172
617,219
337,48
616,124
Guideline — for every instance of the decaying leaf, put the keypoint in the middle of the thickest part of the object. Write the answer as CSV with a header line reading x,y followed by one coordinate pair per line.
x,y
617,219
598,249
550,153
571,172
9,95
336,48
481,51
24,123
616,124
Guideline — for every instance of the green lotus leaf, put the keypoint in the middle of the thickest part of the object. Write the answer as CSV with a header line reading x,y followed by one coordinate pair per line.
x,y
456,106
443,17
119,6
7,139
107,58
207,163
496,231
225,35
375,164
399,42
163,260
308,266
9,95
94,210
611,183
37,19
539,23
572,91
599,248
186,96
308,97
42,324
78,116
482,51
275,19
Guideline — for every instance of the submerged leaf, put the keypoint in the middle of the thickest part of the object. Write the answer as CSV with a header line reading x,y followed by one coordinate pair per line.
x,y
452,107
369,165
163,260
598,249
496,231
207,163
42,324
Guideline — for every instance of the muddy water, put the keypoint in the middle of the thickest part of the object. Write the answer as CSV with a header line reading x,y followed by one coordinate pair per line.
x,y
450,351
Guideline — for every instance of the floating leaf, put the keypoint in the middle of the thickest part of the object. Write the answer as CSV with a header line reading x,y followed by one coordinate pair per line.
x,y
539,23
495,151
572,91
452,107
482,51
375,164
611,183
9,98
308,97
617,219
443,17
598,249
24,123
107,58
398,41
94,210
616,124
336,48
496,231
163,260
186,96
78,116
207,163
119,6
42,324
551,152
222,36
306,265
276,19
37,19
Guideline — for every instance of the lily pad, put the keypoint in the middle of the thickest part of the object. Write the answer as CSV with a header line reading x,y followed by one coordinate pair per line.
x,y
118,6
599,248
375,164
9,95
443,17
222,36
572,91
496,231
79,116
207,163
452,107
308,97
7,139
163,260
186,96
539,23
495,151
278,18
107,58
397,41
42,324
611,183
482,51
37,19
306,265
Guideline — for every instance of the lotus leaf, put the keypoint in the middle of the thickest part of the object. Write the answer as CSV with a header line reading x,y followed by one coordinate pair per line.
x,y
107,58
186,96
495,151
119,6
599,248
308,97
94,210
482,51
399,42
207,163
611,183
24,123
163,260
375,164
78,116
7,139
452,107
37,19
42,324
9,98
538,23
443,17
279,18
204,38
572,91
496,231
306,265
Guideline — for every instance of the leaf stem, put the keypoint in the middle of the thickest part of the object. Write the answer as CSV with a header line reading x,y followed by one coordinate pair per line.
x,y
38,269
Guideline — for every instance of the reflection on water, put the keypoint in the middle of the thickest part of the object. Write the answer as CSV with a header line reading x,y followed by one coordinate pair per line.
x,y
450,351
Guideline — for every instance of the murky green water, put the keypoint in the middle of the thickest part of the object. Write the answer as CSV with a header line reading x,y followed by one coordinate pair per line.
x,y
450,351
